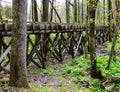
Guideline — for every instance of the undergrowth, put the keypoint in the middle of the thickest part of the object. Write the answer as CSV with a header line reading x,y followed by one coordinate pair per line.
x,y
78,70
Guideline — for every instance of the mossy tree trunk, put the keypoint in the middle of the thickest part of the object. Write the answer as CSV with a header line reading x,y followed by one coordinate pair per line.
x,y
110,19
18,45
92,10
116,29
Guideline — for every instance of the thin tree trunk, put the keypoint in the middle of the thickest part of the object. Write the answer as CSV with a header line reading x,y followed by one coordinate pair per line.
x,y
86,36
78,11
35,12
0,37
45,36
0,11
104,9
55,11
75,11
18,69
82,14
67,11
117,17
110,17
51,17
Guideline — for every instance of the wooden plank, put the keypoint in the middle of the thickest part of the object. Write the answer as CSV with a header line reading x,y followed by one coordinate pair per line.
x,y
5,53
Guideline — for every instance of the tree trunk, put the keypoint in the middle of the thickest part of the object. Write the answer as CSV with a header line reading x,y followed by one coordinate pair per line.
x,y
110,18
92,10
34,10
67,11
0,37
51,17
45,36
79,11
18,45
86,36
116,25
0,11
56,13
82,14
75,11
104,9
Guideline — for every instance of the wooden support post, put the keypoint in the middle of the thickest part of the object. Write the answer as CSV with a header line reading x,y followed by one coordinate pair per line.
x,y
5,53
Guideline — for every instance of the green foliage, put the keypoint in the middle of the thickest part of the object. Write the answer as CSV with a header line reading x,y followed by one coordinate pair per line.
x,y
117,46
118,86
74,62
50,72
96,87
114,69
77,71
63,87
82,78
67,70
52,35
6,12
39,88
32,37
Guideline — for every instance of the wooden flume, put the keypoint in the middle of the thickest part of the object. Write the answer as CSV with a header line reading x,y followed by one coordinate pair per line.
x,y
65,41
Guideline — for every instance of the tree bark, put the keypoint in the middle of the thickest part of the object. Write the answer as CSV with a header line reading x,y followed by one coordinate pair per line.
x,y
116,28
18,45
104,9
0,11
51,17
75,11
44,49
78,11
67,11
34,10
55,12
82,14
87,35
92,10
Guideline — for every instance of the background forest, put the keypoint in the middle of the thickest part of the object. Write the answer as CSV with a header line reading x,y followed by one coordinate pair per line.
x,y
71,46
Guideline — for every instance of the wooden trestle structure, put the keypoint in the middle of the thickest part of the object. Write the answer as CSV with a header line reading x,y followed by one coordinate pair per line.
x,y
62,38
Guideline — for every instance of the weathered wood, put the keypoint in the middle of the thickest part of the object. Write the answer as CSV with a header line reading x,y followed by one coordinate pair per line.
x,y
5,53
66,39
46,27
78,45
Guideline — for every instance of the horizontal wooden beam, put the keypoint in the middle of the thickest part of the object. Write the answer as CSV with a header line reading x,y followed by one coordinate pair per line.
x,y
44,27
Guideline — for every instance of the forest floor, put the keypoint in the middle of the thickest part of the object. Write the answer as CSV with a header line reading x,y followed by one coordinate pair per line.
x,y
73,75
